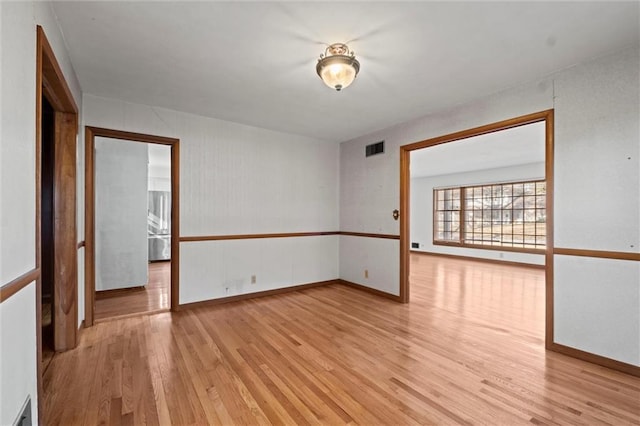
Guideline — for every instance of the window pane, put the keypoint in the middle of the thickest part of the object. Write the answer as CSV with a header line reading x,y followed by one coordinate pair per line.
x,y
518,202
518,189
529,215
541,229
468,227
529,188
529,202
518,216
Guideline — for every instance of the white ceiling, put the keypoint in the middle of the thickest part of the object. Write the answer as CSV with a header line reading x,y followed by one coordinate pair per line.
x,y
254,63
511,147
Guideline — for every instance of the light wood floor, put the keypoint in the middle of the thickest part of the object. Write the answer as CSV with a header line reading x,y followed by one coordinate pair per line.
x,y
154,297
468,349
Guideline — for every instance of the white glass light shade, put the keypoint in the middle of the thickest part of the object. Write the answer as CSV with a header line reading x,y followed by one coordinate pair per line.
x,y
337,72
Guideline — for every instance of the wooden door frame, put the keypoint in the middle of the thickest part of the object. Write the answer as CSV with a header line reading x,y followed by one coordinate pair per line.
x,y
405,180
50,83
89,211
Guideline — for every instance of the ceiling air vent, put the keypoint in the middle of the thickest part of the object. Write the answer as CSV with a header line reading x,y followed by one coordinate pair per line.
x,y
375,148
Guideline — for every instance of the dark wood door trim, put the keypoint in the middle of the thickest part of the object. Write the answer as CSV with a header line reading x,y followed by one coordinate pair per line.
x,y
65,239
549,166
89,208
50,83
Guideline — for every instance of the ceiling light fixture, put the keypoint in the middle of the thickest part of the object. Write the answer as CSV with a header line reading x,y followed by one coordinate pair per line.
x,y
338,66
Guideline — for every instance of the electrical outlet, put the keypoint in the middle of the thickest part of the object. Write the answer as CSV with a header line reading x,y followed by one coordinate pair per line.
x,y
253,279
366,273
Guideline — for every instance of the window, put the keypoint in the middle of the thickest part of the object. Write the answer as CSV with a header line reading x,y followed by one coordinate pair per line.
x,y
447,214
506,215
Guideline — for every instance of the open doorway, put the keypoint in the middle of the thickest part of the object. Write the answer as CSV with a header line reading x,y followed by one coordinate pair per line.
x,y
131,224
132,227
480,203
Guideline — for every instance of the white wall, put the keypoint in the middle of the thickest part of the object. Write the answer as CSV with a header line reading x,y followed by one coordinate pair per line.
x,y
237,179
19,354
364,255
597,206
597,306
121,179
596,121
17,191
215,269
422,209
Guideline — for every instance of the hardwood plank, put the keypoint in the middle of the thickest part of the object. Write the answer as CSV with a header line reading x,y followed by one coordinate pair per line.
x,y
468,349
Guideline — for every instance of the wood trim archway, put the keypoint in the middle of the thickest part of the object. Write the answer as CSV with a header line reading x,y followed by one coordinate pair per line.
x,y
51,84
89,213
405,179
